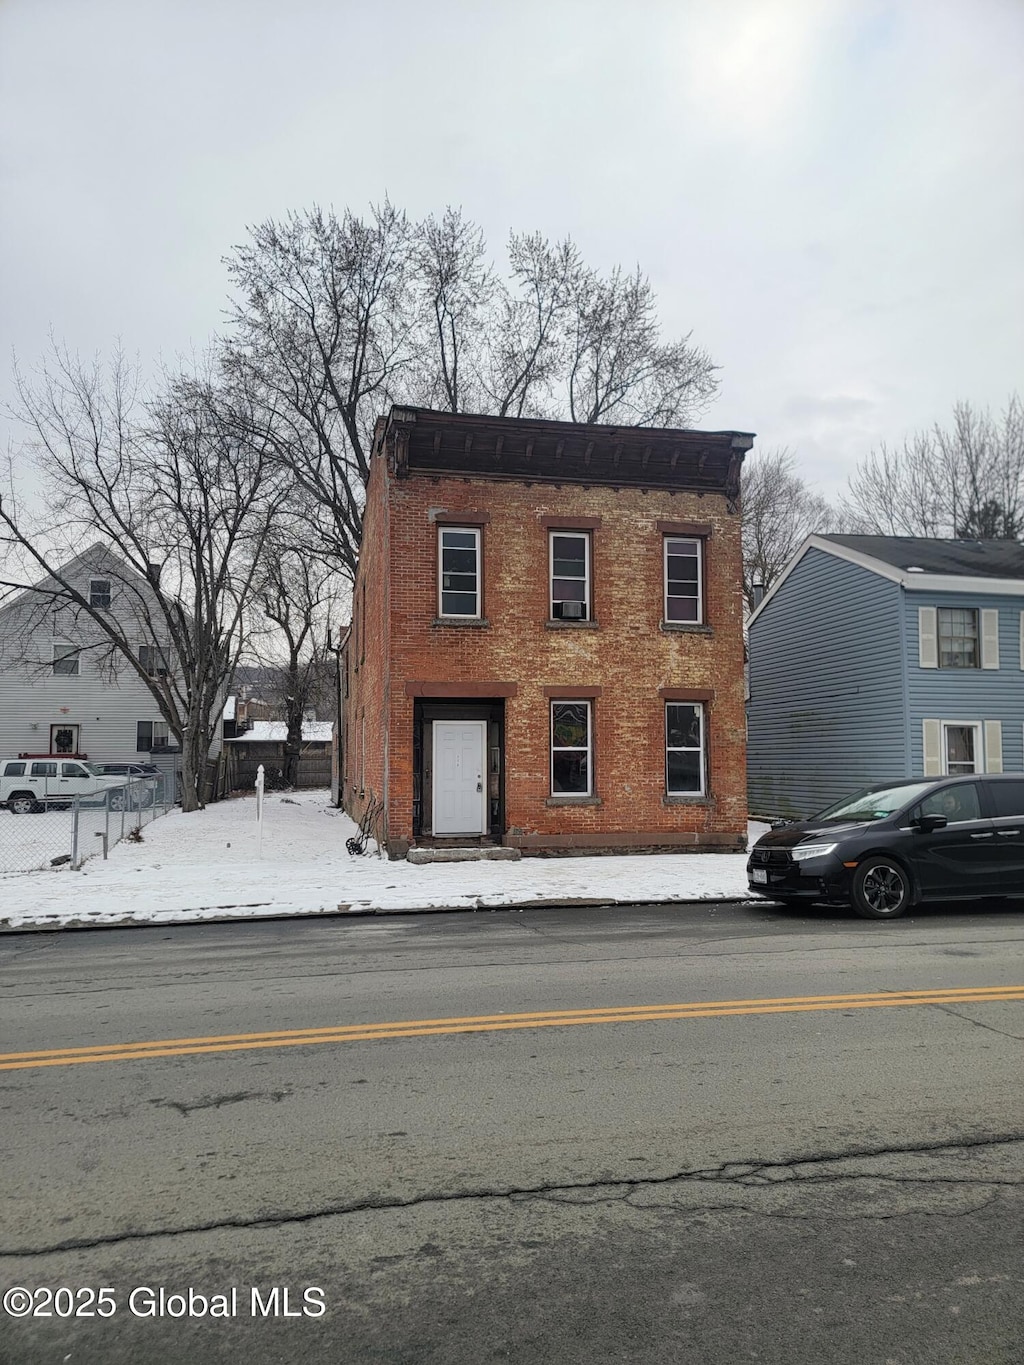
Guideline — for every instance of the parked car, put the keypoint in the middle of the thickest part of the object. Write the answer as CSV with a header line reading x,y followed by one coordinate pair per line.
x,y
28,786
127,769
891,846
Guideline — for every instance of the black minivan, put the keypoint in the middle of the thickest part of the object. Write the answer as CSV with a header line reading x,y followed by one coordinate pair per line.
x,y
893,845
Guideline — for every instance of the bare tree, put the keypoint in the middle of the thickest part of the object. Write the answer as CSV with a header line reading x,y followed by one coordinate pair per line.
x,y
779,511
322,328
335,318
618,370
964,480
456,285
180,508
299,595
528,336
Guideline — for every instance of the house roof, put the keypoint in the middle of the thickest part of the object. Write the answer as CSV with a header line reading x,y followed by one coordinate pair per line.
x,y
974,558
96,558
429,442
276,732
919,564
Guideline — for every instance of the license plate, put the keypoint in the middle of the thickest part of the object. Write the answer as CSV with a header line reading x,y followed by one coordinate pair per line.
x,y
759,875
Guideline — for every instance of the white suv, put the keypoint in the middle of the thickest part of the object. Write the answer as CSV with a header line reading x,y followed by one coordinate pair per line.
x,y
28,785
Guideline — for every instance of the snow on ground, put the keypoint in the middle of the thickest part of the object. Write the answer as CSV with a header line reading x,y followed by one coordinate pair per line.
x,y
207,866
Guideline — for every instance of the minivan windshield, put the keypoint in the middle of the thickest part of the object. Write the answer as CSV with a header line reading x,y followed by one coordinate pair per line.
x,y
873,803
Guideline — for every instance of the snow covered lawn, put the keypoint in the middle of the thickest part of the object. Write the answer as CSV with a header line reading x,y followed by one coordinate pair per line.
x,y
205,866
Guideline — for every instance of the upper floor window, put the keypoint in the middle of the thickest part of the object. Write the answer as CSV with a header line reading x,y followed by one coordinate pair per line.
x,y
458,549
153,661
66,661
684,586
684,749
569,556
99,593
958,637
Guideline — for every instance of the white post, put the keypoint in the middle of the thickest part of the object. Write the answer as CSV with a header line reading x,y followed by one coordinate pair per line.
x,y
259,811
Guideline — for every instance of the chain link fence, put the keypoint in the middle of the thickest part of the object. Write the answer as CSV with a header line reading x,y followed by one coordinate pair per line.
x,y
50,835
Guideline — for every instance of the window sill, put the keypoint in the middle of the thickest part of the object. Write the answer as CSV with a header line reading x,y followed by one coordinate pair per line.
x,y
571,625
573,801
473,622
694,800
684,628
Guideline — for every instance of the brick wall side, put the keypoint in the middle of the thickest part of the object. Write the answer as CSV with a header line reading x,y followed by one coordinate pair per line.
x,y
368,645
629,657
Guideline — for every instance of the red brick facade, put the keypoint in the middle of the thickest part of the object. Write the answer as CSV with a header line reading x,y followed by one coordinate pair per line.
x,y
406,666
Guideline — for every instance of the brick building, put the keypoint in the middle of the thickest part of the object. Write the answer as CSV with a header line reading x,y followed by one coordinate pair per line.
x,y
546,647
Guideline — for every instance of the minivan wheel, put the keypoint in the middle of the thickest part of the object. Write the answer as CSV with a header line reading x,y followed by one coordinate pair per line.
x,y
880,889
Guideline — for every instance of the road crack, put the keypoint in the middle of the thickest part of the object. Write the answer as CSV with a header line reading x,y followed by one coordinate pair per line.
x,y
606,1190
948,1009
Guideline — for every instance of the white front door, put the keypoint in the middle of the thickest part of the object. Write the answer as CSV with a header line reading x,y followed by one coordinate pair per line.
x,y
460,801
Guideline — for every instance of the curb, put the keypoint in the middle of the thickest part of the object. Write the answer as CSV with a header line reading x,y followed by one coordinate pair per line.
x,y
178,919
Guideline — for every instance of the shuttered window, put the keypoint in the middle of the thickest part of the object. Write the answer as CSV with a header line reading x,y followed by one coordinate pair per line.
x,y
956,747
958,637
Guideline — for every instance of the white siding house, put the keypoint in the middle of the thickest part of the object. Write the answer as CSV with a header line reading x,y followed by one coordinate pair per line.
x,y
62,689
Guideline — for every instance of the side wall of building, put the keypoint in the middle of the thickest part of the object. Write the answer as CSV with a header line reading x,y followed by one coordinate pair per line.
x,y
626,656
827,688
366,681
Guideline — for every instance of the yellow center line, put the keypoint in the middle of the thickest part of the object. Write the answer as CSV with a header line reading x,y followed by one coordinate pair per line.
x,y
487,1023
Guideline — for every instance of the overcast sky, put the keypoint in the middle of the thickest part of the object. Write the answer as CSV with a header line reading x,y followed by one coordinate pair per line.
x,y
828,193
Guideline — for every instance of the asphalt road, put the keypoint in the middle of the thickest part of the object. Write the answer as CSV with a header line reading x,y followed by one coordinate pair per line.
x,y
788,1167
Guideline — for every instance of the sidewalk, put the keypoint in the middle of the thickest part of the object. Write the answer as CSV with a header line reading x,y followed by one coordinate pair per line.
x,y
205,866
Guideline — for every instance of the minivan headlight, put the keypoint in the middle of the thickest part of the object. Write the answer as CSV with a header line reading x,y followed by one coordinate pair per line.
x,y
802,851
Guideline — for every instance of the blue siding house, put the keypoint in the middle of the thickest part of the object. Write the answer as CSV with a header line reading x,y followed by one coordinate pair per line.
x,y
877,657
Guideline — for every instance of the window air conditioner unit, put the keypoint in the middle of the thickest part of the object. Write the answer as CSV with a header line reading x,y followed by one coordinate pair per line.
x,y
572,611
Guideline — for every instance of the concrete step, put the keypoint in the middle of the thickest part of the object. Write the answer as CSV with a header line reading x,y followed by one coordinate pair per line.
x,y
464,855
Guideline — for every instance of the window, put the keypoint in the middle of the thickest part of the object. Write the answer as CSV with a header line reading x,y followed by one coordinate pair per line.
x,y
150,735
569,553
99,593
44,770
683,580
14,770
1007,798
684,748
571,767
153,660
66,660
958,637
955,803
459,571
960,749
72,770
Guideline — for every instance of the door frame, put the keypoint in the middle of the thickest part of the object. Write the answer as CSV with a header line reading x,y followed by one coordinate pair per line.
x,y
482,820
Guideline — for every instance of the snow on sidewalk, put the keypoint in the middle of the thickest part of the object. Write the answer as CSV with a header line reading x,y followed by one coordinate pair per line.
x,y
205,866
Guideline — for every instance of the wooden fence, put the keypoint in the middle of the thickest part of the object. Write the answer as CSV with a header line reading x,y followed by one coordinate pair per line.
x,y
242,762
